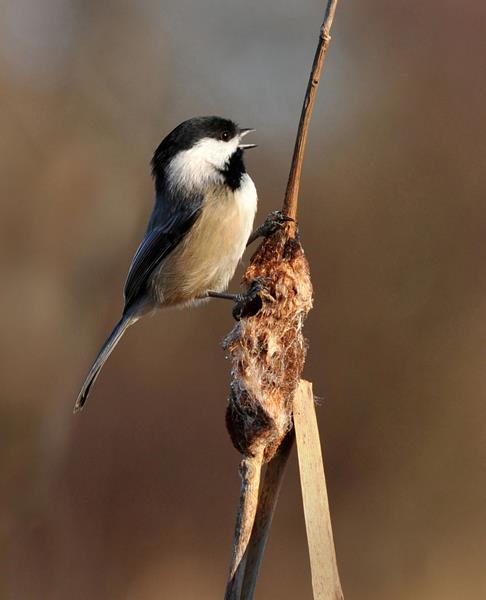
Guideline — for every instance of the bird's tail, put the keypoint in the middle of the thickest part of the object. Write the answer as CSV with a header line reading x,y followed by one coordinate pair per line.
x,y
103,355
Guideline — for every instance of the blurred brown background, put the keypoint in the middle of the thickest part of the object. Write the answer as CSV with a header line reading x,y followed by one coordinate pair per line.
x,y
135,498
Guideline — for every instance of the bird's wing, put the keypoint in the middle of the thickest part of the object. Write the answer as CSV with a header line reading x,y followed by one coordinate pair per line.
x,y
167,228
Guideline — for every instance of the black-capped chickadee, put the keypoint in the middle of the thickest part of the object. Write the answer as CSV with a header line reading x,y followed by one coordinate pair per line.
x,y
205,204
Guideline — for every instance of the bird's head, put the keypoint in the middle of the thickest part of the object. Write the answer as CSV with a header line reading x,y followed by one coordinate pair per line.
x,y
199,152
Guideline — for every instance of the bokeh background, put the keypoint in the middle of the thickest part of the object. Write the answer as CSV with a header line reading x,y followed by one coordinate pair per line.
x,y
135,498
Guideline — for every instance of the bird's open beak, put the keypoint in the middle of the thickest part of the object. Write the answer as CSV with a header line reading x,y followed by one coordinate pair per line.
x,y
244,132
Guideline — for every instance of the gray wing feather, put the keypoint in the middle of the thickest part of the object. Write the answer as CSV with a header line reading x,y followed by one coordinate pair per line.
x,y
171,220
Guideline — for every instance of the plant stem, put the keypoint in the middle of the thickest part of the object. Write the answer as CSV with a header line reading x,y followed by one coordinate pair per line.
x,y
293,184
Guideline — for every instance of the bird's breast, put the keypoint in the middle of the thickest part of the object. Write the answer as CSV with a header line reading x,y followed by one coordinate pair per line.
x,y
209,254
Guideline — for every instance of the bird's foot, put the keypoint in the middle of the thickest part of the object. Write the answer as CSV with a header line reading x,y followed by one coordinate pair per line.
x,y
249,303
274,221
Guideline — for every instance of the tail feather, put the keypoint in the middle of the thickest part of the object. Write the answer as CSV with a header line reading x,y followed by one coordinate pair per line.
x,y
100,360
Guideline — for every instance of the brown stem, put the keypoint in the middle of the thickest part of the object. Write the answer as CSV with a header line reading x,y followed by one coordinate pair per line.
x,y
250,469
292,192
267,503
248,547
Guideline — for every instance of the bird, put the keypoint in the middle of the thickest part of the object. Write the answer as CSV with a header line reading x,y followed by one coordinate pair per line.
x,y
201,222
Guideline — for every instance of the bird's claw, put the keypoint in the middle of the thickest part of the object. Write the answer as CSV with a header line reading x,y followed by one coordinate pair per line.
x,y
249,303
274,221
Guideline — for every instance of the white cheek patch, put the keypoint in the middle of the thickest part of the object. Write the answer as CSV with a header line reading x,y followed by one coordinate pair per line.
x,y
217,152
201,164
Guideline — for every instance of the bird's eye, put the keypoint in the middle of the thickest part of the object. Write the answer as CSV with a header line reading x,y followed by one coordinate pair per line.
x,y
225,136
